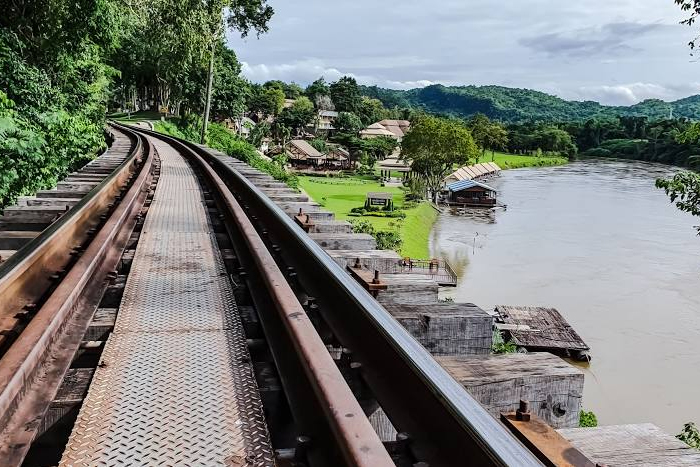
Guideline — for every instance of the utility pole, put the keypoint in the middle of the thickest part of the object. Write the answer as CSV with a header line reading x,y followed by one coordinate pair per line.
x,y
207,99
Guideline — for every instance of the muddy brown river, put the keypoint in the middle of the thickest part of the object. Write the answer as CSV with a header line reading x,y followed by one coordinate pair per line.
x,y
597,241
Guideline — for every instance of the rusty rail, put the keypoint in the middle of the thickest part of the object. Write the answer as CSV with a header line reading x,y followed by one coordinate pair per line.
x,y
446,425
34,365
327,410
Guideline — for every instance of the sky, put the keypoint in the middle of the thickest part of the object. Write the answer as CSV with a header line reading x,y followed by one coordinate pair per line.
x,y
617,52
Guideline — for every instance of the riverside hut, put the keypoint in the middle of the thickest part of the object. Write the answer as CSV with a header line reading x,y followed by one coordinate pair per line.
x,y
469,193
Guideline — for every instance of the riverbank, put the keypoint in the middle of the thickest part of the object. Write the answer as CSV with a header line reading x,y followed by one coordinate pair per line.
x,y
578,238
517,161
341,195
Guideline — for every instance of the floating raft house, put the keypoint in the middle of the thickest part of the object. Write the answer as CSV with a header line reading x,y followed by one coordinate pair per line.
x,y
540,329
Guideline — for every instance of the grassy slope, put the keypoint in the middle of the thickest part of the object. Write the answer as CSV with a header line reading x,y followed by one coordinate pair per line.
x,y
514,161
340,195
416,229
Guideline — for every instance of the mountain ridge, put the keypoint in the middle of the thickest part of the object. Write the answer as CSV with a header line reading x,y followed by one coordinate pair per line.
x,y
519,105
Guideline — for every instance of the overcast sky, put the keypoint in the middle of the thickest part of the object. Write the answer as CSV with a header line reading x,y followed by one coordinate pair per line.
x,y
612,51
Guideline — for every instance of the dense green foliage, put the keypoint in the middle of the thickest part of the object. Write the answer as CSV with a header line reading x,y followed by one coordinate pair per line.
x,y
62,62
513,105
386,239
54,81
219,137
435,146
587,419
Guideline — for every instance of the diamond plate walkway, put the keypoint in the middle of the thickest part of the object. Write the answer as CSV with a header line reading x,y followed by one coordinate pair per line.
x,y
175,386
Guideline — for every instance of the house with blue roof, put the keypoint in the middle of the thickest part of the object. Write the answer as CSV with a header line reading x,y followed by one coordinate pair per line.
x,y
469,193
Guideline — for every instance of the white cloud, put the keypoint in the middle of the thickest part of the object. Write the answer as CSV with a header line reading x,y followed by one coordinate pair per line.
x,y
618,51
306,71
628,94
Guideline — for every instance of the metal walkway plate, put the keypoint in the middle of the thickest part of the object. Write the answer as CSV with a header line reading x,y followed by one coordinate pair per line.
x,y
175,385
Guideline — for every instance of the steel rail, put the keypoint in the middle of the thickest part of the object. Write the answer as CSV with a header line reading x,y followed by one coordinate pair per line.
x,y
25,276
33,367
355,439
447,426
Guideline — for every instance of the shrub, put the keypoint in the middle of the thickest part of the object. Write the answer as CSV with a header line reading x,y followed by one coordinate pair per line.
x,y
500,346
587,419
386,240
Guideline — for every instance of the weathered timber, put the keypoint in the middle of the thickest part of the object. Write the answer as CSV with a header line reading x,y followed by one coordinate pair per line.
x,y
344,241
69,396
543,440
101,325
447,328
499,382
540,328
408,289
60,202
63,193
287,197
381,260
641,445
323,226
15,239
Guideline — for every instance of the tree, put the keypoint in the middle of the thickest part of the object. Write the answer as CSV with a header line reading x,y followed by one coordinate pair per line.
x,y
371,111
435,146
684,190
323,102
300,114
552,139
266,101
316,89
258,133
281,133
487,135
230,89
379,148
346,94
348,122
692,6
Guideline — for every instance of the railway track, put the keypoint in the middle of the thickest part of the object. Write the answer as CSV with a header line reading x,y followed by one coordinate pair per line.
x,y
323,352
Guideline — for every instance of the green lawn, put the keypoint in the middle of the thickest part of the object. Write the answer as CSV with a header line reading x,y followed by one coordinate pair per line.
x,y
340,195
515,161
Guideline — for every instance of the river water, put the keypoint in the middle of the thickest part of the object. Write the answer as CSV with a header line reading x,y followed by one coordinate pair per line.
x,y
597,241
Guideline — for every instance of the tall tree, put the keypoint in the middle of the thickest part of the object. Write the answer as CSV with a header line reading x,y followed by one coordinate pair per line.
x,y
317,88
487,135
346,95
348,122
435,146
265,101
300,114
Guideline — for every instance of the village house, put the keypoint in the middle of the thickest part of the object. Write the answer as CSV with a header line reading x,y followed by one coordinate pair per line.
x,y
302,155
242,126
469,193
326,120
396,129
472,172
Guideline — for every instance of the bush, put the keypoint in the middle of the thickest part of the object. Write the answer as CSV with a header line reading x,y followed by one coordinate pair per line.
x,y
596,152
587,419
386,240
500,346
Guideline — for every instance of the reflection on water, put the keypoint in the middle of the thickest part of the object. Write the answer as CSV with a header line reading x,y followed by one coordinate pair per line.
x,y
599,242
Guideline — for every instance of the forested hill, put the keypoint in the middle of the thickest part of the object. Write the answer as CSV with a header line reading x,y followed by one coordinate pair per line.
x,y
522,105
